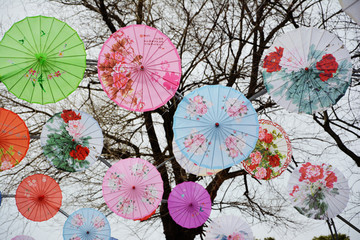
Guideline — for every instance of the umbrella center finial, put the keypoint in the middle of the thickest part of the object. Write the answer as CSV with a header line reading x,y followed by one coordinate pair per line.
x,y
217,124
142,68
41,58
133,187
41,197
306,69
87,232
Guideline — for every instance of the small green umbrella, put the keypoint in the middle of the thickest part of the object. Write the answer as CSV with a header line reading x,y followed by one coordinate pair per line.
x,y
42,59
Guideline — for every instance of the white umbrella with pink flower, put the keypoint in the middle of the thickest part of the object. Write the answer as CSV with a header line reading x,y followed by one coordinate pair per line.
x,y
215,127
272,153
72,140
318,190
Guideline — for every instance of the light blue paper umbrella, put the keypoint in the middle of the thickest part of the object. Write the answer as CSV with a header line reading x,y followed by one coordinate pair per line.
x,y
86,224
215,127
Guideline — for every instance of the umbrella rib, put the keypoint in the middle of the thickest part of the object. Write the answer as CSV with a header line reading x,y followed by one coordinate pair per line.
x,y
31,49
32,35
47,36
19,80
55,38
149,66
55,55
169,92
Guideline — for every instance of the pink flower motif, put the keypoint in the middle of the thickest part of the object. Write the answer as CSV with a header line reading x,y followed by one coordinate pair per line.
x,y
233,153
98,222
61,54
57,74
261,173
154,76
236,236
74,129
50,76
231,142
311,172
262,133
198,99
118,57
188,142
5,165
199,139
78,220
171,81
255,157
201,109
32,71
165,65
140,106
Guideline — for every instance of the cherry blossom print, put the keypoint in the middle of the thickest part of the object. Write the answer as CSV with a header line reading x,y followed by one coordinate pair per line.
x,y
235,108
150,194
78,220
115,181
140,170
98,222
125,206
197,107
196,143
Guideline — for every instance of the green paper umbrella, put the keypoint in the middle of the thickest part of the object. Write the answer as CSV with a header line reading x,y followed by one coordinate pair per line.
x,y
42,60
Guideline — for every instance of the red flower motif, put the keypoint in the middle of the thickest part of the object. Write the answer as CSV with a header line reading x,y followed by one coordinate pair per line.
x,y
79,153
272,60
268,138
68,115
295,189
268,174
252,167
327,64
274,161
330,179
311,172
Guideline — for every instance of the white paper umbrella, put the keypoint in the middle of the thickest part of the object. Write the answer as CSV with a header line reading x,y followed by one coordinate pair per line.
x,y
351,8
189,166
307,70
229,227
318,190
72,140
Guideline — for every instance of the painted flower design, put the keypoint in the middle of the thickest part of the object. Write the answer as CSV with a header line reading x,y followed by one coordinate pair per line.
x,y
140,170
196,143
68,115
80,152
233,145
115,181
292,61
98,222
316,185
78,220
75,128
272,60
235,108
75,237
5,161
198,106
328,66
171,81
125,206
150,194
261,173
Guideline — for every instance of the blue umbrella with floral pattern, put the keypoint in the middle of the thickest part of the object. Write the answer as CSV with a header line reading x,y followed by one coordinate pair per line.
x,y
72,140
307,70
215,127
86,224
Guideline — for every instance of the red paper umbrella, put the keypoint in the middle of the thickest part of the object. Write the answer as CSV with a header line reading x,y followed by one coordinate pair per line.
x,y
14,139
38,197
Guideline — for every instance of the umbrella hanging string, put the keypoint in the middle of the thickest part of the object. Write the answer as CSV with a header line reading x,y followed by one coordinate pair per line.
x,y
8,195
348,223
63,212
331,226
104,161
166,160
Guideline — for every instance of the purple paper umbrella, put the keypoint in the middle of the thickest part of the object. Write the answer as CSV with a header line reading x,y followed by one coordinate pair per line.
x,y
189,204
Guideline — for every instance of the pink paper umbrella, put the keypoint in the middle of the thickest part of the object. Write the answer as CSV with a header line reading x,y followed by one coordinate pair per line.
x,y
189,205
139,68
132,188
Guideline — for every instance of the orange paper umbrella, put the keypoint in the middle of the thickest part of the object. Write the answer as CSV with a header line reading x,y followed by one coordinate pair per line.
x,y
38,197
14,139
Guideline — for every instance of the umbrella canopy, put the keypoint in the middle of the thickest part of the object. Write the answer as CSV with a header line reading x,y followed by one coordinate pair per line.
x,y
86,224
139,68
189,166
22,237
146,217
14,139
307,70
351,8
43,60
132,188
72,140
38,197
272,153
189,204
318,190
229,227
215,127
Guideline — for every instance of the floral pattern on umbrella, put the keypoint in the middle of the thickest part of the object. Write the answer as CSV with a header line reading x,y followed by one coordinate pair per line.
x,y
215,127
86,224
318,191
272,153
132,188
139,68
307,70
72,140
